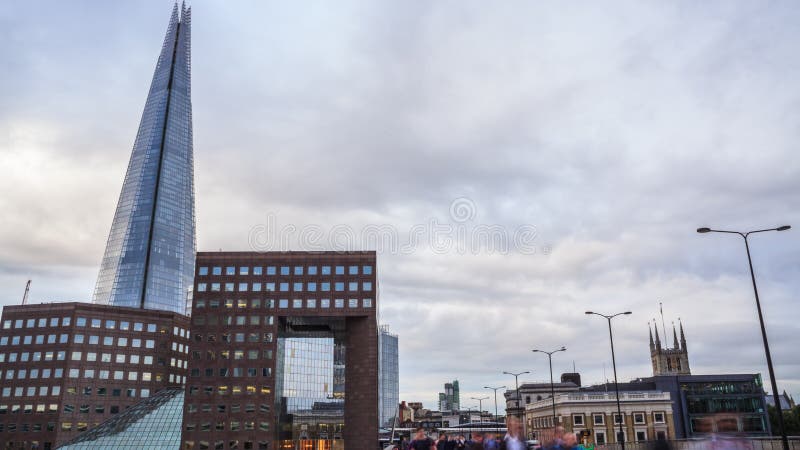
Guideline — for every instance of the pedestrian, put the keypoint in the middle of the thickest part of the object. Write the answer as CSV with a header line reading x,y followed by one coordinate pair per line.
x,y
422,442
489,443
461,443
441,443
513,439
476,443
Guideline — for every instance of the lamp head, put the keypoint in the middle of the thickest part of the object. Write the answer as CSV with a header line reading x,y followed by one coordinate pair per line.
x,y
784,227
589,312
703,230
627,313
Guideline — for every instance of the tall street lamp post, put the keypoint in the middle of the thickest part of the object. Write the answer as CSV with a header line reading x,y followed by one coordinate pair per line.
x,y
480,406
552,387
744,236
621,435
516,382
495,398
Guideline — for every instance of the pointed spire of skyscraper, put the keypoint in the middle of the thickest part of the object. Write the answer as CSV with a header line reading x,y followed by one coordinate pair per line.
x,y
650,330
150,253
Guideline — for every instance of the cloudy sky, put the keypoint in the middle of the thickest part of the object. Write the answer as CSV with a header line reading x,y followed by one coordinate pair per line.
x,y
592,139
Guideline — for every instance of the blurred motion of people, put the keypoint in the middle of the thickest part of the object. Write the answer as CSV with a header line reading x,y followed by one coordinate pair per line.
x,y
477,442
555,443
513,439
661,444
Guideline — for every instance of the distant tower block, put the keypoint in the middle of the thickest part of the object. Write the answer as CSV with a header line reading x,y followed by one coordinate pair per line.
x,y
669,361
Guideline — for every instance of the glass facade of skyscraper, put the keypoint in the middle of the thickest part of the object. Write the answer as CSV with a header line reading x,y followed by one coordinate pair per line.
x,y
388,376
149,256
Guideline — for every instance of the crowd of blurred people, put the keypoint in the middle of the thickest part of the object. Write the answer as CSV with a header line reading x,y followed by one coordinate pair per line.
x,y
560,439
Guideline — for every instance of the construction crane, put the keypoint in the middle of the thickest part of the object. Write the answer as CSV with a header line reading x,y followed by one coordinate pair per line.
x,y
27,289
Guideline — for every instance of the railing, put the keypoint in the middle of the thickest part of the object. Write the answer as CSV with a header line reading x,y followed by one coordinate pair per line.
x,y
708,444
599,397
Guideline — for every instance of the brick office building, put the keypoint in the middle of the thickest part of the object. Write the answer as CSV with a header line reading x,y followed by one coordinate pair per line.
x,y
66,367
284,351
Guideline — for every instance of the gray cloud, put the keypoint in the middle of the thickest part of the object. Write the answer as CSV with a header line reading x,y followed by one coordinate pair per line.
x,y
615,130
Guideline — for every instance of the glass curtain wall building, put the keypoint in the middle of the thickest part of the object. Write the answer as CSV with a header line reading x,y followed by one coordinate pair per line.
x,y
388,376
150,253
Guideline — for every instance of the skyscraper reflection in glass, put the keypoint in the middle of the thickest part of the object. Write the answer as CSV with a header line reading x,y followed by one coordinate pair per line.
x,y
150,253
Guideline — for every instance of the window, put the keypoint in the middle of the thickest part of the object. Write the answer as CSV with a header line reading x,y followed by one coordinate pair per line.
x,y
284,270
243,287
326,270
111,324
658,417
138,326
325,286
298,270
325,303
352,303
366,270
228,287
339,270
339,303
599,419
339,286
244,270
297,303
203,271
577,419
600,437
283,303
215,287
618,419
96,323
352,286
352,270
201,287
312,270
311,303
367,303
641,435
257,270
270,270
638,418
230,270
256,287
94,340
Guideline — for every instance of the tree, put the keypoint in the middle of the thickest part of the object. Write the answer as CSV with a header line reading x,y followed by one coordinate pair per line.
x,y
791,419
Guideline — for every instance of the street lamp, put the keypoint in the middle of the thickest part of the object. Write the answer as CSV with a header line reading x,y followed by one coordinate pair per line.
x,y
495,398
516,382
480,406
552,388
744,235
621,436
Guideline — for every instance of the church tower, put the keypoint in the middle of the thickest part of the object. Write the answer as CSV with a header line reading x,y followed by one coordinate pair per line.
x,y
669,361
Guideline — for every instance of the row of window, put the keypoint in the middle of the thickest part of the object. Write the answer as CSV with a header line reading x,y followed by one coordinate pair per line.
x,y
265,338
237,355
234,390
77,339
235,372
220,445
638,418
233,425
30,391
338,286
81,322
32,374
285,270
234,408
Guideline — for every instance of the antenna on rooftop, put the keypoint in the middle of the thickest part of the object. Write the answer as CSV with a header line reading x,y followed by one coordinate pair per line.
x,y
25,295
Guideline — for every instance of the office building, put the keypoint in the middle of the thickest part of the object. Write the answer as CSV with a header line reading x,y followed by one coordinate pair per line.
x,y
149,256
284,351
66,367
449,399
388,376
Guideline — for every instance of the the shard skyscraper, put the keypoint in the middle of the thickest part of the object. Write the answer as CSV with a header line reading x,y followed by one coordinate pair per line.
x,y
150,254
